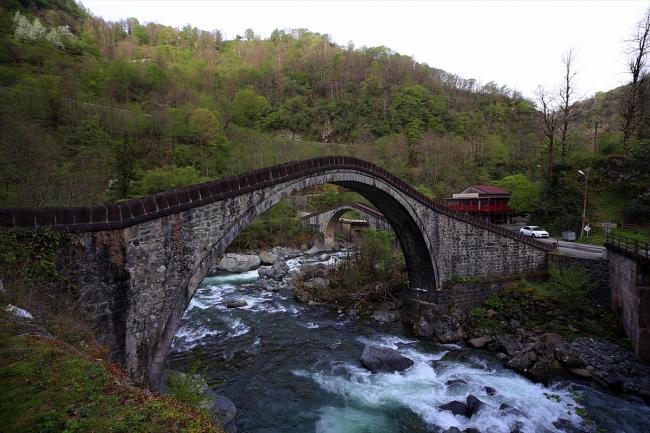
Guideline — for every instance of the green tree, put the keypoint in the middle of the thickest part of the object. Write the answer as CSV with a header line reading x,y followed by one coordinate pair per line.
x,y
524,192
249,109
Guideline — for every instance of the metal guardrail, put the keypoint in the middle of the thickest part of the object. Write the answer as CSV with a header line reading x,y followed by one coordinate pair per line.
x,y
634,246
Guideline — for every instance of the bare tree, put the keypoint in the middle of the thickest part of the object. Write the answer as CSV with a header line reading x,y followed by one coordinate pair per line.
x,y
567,98
639,49
548,109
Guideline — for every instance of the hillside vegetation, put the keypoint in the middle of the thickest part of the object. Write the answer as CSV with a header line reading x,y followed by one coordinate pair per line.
x,y
95,111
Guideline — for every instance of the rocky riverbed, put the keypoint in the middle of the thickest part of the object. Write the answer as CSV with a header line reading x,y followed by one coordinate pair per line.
x,y
295,367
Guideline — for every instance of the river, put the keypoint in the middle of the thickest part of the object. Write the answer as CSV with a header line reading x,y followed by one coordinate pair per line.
x,y
290,367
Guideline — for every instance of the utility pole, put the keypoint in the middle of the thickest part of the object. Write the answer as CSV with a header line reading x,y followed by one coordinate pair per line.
x,y
584,203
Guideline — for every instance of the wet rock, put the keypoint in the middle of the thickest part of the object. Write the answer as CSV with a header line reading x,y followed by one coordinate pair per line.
x,y
473,406
452,430
455,382
2,287
276,272
501,356
581,372
489,390
480,341
18,312
384,359
233,262
456,407
236,303
268,257
510,410
566,426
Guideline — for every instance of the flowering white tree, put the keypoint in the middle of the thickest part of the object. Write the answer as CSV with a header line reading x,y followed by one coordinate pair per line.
x,y
33,31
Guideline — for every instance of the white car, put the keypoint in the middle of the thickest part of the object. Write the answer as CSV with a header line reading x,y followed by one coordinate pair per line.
x,y
533,232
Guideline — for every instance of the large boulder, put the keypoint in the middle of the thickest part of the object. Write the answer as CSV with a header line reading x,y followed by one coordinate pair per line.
x,y
473,406
233,262
544,358
479,342
235,303
275,272
268,257
384,359
226,410
456,407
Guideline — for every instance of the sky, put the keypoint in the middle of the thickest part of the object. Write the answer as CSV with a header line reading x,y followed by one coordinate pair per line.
x,y
519,44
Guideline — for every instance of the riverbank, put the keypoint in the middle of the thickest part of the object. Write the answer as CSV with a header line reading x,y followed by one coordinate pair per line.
x,y
294,368
50,386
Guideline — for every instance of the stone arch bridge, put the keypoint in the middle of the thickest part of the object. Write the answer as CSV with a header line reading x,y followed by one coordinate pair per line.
x,y
137,264
326,221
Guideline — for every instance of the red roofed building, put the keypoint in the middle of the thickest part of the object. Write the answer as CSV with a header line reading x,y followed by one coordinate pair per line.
x,y
488,202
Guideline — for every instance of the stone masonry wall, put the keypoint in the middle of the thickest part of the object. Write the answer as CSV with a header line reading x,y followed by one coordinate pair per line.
x,y
597,269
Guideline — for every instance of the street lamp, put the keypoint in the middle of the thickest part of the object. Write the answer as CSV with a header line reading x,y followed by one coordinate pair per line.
x,y
584,203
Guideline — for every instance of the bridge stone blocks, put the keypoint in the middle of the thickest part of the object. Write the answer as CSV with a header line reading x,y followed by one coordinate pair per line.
x,y
326,221
138,264
630,294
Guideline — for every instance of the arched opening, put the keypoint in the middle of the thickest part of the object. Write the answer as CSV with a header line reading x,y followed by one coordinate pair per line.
x,y
404,220
331,226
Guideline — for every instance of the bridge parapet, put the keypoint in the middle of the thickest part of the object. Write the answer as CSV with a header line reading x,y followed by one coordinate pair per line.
x,y
135,211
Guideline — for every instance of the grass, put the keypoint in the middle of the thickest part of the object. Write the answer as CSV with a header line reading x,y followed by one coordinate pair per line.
x,y
597,235
48,386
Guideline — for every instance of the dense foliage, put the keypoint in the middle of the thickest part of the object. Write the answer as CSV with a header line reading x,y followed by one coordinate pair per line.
x,y
96,111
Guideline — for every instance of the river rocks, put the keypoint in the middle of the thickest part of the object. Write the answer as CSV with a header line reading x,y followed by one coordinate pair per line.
x,y
467,409
581,372
456,407
383,359
480,341
268,258
387,312
18,312
278,271
489,390
235,303
233,262
543,358
455,382
2,287
442,328
473,406
317,283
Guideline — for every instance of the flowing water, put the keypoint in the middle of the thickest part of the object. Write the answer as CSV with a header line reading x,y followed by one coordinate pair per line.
x,y
289,367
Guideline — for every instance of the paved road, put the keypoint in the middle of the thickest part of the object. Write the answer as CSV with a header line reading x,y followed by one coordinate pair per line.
x,y
574,249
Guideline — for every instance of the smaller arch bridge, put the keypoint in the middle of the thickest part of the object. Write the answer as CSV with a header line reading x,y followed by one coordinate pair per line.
x,y
138,263
326,221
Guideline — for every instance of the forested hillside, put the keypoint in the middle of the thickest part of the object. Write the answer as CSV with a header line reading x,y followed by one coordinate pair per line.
x,y
95,111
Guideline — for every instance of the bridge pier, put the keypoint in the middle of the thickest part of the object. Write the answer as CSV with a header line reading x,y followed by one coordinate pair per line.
x,y
630,294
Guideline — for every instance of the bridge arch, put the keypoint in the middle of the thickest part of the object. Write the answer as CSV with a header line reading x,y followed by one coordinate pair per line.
x,y
409,229
138,263
326,221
